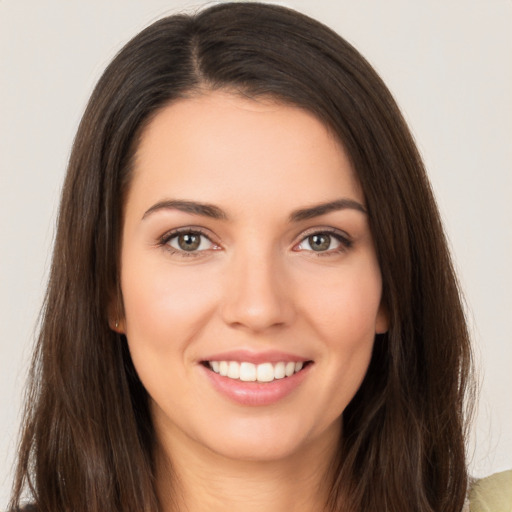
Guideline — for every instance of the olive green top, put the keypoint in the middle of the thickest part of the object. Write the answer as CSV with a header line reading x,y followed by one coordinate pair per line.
x,y
492,494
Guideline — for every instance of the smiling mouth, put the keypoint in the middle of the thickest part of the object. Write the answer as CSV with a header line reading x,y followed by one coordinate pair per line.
x,y
250,372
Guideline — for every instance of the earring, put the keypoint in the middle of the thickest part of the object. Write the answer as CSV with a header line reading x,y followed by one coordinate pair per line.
x,y
117,324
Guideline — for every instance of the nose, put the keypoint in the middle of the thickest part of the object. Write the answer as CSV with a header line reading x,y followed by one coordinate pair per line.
x,y
257,296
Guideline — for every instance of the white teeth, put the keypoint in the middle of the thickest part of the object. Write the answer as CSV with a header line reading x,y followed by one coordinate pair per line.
x,y
233,370
249,372
289,369
223,368
265,372
279,371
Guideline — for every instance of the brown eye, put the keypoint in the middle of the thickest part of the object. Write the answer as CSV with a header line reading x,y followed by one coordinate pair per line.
x,y
324,242
319,242
190,242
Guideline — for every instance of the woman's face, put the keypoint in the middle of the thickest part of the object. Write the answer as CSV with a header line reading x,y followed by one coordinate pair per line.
x,y
246,250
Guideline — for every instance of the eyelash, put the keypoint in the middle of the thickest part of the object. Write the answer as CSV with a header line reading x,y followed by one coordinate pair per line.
x,y
345,242
167,237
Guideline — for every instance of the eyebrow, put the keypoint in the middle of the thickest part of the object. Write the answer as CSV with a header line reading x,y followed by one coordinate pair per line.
x,y
324,208
214,212
204,209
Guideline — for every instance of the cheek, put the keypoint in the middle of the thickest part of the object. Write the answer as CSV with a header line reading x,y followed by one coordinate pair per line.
x,y
344,312
165,308
345,307
164,305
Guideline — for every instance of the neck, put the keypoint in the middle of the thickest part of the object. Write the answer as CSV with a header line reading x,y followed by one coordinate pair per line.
x,y
199,480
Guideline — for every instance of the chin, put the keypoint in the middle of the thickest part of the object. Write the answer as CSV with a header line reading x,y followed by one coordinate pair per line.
x,y
270,439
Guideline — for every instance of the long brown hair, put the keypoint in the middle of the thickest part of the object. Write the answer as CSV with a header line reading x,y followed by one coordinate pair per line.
x,y
88,440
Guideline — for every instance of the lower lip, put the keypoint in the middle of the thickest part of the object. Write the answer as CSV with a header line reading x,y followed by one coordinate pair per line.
x,y
256,393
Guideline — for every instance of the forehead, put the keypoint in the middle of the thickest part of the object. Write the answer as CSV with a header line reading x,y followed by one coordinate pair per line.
x,y
220,146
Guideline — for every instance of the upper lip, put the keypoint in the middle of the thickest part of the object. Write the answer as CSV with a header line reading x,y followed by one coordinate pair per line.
x,y
271,356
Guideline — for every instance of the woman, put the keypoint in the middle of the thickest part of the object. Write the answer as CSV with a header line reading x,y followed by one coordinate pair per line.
x,y
251,302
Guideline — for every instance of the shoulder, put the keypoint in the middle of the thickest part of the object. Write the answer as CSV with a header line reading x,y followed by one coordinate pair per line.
x,y
492,494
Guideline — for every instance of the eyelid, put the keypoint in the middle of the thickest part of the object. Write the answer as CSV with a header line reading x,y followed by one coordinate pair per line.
x,y
163,240
324,229
342,236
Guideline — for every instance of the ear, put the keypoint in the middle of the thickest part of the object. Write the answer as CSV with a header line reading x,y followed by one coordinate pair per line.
x,y
116,324
116,320
382,320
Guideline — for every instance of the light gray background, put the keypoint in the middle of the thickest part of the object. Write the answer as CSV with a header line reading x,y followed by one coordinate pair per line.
x,y
449,64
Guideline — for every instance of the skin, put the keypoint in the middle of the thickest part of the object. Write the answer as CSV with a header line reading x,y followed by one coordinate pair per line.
x,y
255,283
